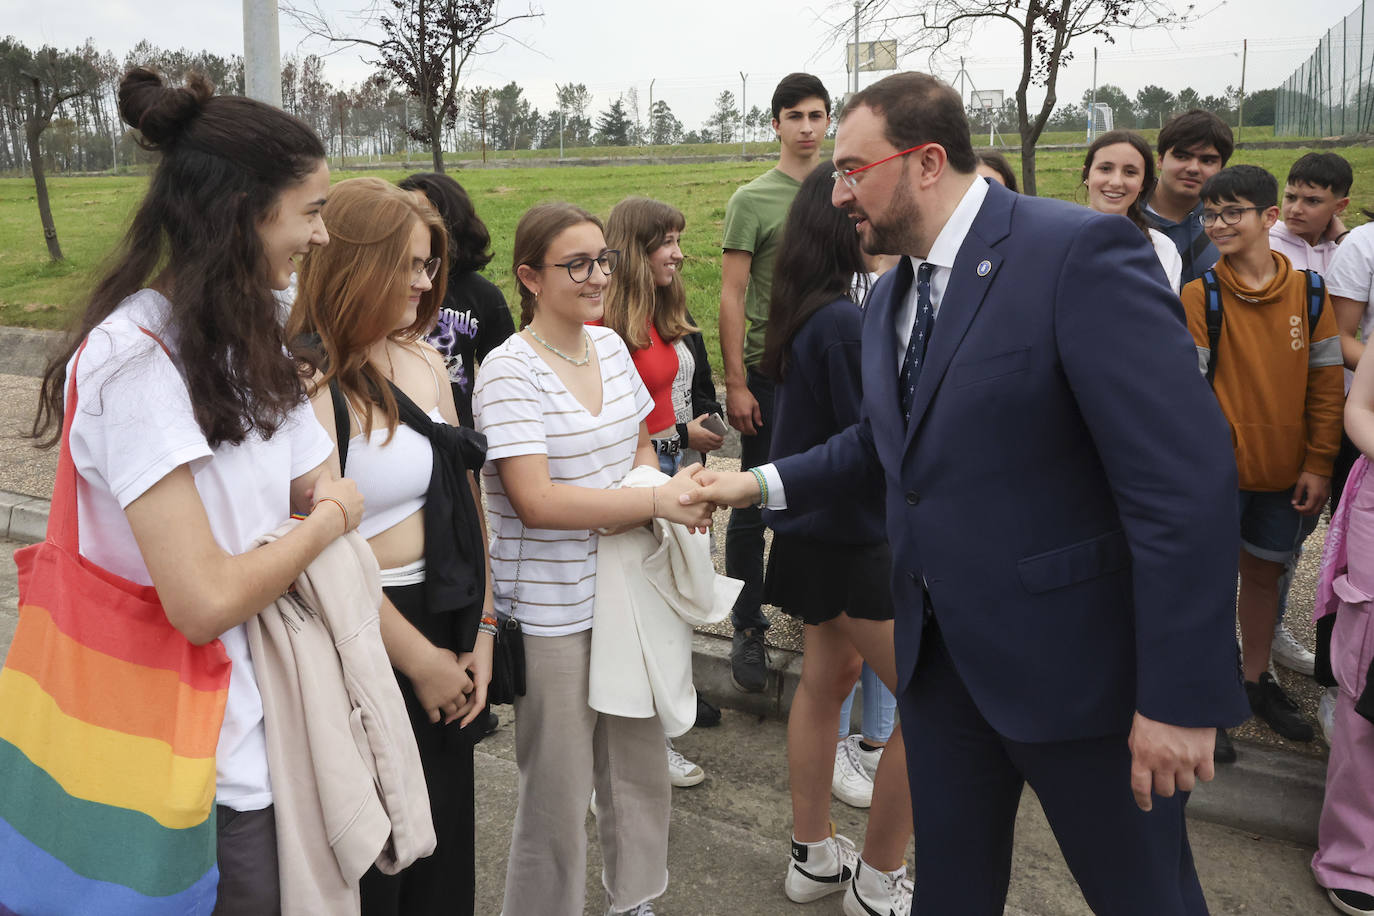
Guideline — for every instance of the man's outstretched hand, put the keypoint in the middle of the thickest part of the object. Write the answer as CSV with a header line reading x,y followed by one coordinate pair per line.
x,y
737,489
1168,757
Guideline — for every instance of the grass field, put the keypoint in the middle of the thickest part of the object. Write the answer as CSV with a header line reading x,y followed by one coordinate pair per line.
x,y
91,212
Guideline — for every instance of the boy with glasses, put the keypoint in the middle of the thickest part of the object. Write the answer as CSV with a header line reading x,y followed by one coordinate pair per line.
x,y
1267,342
752,234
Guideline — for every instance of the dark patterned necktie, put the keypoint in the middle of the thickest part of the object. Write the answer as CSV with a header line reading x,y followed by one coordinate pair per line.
x,y
920,339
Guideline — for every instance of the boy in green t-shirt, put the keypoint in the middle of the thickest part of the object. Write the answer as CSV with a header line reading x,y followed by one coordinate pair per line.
x,y
753,229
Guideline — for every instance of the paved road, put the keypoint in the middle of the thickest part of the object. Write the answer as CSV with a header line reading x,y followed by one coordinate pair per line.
x,y
728,846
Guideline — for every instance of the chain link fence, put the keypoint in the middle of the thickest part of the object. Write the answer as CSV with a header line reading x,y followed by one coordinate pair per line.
x,y
1333,92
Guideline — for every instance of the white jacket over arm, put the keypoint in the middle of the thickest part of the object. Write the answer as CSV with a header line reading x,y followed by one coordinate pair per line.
x,y
652,586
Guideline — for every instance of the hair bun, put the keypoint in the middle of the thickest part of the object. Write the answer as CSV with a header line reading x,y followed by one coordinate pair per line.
x,y
158,111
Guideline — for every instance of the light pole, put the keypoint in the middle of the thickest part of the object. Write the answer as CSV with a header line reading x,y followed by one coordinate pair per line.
x,y
261,51
743,96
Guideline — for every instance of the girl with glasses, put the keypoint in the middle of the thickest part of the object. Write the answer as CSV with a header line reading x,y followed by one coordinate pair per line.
x,y
361,309
1119,174
830,568
473,317
563,410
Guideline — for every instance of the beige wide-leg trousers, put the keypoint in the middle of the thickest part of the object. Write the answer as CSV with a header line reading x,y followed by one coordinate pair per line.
x,y
564,749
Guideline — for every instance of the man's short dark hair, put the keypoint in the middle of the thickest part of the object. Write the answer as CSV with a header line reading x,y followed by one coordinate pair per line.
x,y
1323,170
1242,184
795,88
919,108
1194,128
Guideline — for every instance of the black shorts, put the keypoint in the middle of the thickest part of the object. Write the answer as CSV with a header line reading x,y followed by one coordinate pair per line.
x,y
816,580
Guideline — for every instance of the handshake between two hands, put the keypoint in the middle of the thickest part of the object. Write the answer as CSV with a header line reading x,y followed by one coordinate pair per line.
x,y
695,492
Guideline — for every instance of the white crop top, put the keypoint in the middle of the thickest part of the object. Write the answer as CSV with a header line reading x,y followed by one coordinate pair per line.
x,y
392,478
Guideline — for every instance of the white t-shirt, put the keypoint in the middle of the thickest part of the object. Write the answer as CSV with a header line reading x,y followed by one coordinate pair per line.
x,y
1351,275
1169,258
522,407
133,426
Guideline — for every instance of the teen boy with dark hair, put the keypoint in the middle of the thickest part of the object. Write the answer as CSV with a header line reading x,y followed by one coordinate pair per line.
x,y
1314,197
1193,146
753,231
1272,353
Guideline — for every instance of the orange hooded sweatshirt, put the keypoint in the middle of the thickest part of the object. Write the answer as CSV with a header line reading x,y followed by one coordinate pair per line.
x,y
1281,392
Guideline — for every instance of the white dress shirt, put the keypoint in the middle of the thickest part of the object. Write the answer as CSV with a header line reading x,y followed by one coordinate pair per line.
x,y
942,254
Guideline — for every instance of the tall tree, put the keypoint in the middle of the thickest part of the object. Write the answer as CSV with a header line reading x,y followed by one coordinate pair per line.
x,y
613,126
425,45
573,101
1047,29
509,118
636,132
723,120
1153,104
37,84
664,127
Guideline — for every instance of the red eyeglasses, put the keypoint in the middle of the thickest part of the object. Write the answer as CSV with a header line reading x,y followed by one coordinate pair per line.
x,y
847,175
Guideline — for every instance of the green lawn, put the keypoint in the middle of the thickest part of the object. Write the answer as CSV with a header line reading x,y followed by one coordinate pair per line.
x,y
92,211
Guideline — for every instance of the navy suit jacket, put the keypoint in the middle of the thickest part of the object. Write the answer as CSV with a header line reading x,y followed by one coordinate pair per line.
x,y
1066,487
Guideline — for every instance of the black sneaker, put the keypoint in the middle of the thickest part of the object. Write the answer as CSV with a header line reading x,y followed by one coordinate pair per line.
x,y
1224,751
1275,708
1353,902
749,661
708,716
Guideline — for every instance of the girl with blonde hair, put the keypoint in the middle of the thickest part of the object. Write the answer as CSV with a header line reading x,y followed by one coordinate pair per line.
x,y
361,310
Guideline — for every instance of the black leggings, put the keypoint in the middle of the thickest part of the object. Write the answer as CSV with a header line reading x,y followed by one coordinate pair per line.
x,y
444,882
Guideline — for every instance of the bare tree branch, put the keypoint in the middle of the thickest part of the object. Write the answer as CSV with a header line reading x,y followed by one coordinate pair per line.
x,y
424,45
1047,31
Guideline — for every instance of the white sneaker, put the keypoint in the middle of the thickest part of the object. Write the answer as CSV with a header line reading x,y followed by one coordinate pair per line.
x,y
867,759
1290,653
849,782
1326,712
681,771
817,870
876,893
644,909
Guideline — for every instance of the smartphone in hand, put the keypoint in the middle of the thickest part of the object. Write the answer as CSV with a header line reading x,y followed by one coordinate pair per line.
x,y
715,423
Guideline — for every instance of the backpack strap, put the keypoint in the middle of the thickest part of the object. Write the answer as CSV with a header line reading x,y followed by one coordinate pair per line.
x,y
342,427
1316,293
1214,316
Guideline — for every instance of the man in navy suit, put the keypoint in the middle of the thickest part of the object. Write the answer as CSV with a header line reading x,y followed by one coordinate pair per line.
x,y
1061,510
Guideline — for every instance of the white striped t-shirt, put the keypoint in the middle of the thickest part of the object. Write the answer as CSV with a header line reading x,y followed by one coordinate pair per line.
x,y
523,408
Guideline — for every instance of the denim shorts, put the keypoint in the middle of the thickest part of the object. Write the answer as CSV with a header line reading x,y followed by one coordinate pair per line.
x,y
1270,528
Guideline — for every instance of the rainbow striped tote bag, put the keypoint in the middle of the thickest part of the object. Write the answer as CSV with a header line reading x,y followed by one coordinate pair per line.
x,y
109,719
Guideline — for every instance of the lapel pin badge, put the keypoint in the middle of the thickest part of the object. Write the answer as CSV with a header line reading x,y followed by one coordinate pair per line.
x,y
984,267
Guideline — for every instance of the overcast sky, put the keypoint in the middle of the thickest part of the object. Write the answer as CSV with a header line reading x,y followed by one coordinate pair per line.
x,y
693,50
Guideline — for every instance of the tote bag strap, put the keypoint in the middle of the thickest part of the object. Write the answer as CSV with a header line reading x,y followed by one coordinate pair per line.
x,y
62,514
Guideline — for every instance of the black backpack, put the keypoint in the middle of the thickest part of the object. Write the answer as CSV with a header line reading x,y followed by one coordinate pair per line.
x,y
1316,289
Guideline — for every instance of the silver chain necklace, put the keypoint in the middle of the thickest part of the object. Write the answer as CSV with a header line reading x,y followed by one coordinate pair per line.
x,y
586,347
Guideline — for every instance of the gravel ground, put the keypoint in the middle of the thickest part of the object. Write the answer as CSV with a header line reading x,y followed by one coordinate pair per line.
x,y
786,632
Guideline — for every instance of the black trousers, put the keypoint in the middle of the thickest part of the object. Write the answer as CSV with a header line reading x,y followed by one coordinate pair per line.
x,y
444,882
966,783
744,533
246,846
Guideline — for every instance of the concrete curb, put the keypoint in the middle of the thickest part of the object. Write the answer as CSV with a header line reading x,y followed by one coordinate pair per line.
x,y
25,351
23,518
1267,792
